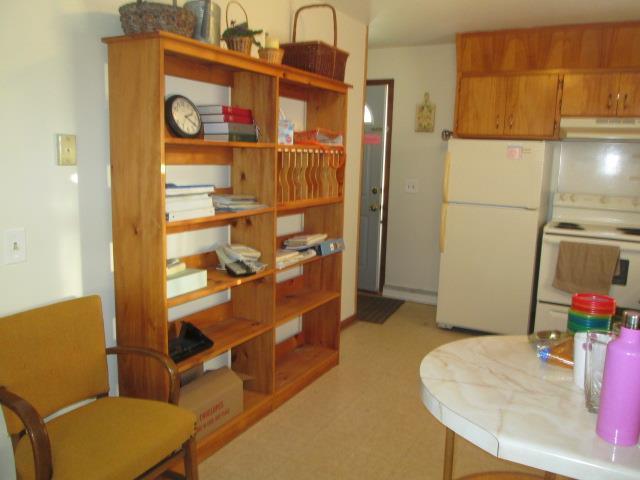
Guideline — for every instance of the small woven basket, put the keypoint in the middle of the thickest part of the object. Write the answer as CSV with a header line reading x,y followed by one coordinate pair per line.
x,y
271,55
147,17
238,44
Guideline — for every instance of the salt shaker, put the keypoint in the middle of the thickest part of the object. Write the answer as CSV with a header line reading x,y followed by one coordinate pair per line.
x,y
619,414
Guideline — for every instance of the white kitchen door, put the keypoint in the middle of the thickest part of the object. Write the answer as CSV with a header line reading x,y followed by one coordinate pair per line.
x,y
487,266
496,172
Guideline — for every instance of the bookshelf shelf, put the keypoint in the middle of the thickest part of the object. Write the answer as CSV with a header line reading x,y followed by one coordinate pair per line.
x,y
144,154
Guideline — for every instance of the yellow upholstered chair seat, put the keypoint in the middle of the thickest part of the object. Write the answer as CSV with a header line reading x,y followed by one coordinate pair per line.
x,y
108,439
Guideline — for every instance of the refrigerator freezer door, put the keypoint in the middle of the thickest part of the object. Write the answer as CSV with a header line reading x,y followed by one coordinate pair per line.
x,y
495,172
487,268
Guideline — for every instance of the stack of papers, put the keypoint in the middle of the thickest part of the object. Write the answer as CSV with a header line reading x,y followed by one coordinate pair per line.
x,y
184,202
286,258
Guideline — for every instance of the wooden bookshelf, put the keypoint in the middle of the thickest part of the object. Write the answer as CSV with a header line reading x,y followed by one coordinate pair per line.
x,y
245,324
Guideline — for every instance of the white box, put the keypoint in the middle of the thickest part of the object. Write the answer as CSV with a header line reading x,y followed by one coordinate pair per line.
x,y
186,281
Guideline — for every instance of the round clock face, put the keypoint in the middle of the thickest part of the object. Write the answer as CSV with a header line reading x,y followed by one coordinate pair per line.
x,y
182,116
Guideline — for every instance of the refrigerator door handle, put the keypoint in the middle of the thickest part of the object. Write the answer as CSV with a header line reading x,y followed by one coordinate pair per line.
x,y
445,178
443,226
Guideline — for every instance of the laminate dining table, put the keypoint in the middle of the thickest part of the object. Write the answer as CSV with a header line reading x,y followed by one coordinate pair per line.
x,y
494,392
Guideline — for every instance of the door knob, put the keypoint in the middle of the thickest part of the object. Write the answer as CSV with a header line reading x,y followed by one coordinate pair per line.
x,y
374,190
373,207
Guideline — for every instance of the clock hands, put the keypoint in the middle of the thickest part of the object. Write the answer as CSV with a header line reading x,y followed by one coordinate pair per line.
x,y
192,122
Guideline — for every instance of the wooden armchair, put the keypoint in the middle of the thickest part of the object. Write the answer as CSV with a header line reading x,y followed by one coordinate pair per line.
x,y
53,357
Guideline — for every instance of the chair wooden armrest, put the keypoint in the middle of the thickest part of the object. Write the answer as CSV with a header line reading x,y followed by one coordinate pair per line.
x,y
165,360
35,428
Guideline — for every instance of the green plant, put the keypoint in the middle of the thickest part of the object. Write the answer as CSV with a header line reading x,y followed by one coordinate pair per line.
x,y
241,30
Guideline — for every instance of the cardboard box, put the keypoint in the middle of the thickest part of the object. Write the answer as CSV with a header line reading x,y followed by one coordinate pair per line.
x,y
215,397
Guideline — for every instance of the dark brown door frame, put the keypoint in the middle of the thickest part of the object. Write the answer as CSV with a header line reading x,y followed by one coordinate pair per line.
x,y
387,170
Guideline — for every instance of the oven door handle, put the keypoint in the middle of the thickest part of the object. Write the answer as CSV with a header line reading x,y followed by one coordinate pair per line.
x,y
624,246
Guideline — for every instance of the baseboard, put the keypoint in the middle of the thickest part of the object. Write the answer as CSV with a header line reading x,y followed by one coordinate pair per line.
x,y
410,294
347,322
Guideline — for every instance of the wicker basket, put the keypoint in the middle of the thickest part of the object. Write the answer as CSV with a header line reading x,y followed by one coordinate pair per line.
x,y
271,55
316,57
146,17
238,44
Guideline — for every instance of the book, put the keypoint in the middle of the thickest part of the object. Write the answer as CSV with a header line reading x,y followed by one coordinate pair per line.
x,y
223,109
180,203
189,214
246,252
227,127
186,281
226,117
172,189
231,137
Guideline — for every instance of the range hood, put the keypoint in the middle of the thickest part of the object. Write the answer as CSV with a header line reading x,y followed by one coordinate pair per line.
x,y
600,128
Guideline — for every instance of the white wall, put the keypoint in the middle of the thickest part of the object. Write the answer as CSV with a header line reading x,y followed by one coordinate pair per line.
x,y
413,255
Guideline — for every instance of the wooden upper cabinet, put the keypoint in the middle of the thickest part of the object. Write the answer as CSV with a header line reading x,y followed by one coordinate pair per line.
x,y
507,106
481,102
592,94
531,105
624,46
629,95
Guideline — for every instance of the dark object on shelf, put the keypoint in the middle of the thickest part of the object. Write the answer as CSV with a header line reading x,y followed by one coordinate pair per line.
x,y
147,17
182,116
239,269
316,57
189,342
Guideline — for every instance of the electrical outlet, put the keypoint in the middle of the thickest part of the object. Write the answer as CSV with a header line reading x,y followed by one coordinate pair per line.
x,y
66,149
411,185
15,246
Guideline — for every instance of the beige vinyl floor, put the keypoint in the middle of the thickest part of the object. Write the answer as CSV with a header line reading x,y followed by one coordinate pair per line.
x,y
362,420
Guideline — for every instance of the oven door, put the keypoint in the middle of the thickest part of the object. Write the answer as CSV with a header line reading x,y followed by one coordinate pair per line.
x,y
625,287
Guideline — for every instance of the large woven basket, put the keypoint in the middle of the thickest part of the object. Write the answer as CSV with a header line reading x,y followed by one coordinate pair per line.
x,y
317,57
147,17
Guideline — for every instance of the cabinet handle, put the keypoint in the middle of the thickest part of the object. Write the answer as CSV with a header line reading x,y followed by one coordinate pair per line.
x,y
511,121
497,122
624,102
609,101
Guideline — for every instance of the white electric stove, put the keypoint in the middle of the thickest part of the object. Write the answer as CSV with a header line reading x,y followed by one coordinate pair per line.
x,y
591,219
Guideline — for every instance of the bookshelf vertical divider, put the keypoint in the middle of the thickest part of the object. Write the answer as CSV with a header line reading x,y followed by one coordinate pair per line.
x,y
141,148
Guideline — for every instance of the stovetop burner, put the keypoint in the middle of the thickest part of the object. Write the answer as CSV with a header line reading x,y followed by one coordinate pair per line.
x,y
630,230
569,226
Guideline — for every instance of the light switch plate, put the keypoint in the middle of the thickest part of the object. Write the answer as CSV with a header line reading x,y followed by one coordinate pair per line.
x,y
15,246
66,149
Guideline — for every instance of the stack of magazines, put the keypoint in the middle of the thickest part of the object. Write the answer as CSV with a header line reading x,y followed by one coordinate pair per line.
x,y
304,241
235,203
286,258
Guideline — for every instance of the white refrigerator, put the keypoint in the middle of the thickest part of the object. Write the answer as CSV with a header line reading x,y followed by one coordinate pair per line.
x,y
495,197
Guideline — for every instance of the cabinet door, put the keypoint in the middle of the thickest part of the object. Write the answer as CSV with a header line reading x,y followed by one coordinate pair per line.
x,y
591,94
531,106
481,106
629,95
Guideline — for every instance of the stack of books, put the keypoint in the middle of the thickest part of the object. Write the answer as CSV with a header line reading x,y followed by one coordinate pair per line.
x,y
235,203
222,123
304,241
183,202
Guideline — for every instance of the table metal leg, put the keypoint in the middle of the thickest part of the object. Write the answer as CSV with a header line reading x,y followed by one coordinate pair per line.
x,y
447,471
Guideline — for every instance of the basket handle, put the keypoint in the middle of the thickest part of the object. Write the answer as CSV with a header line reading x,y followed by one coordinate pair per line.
x,y
175,3
335,23
226,14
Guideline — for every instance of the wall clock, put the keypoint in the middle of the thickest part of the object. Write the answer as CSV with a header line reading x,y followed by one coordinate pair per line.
x,y
182,116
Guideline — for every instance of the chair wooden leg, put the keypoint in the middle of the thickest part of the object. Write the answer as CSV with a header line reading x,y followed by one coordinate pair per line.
x,y
190,459
447,471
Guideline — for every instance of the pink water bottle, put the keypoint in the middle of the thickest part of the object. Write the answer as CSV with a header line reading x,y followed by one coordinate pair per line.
x,y
619,413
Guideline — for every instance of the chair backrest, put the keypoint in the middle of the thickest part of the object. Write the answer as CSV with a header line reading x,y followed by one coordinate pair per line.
x,y
53,356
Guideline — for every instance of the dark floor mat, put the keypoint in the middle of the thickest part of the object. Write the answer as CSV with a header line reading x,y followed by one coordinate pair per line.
x,y
376,309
